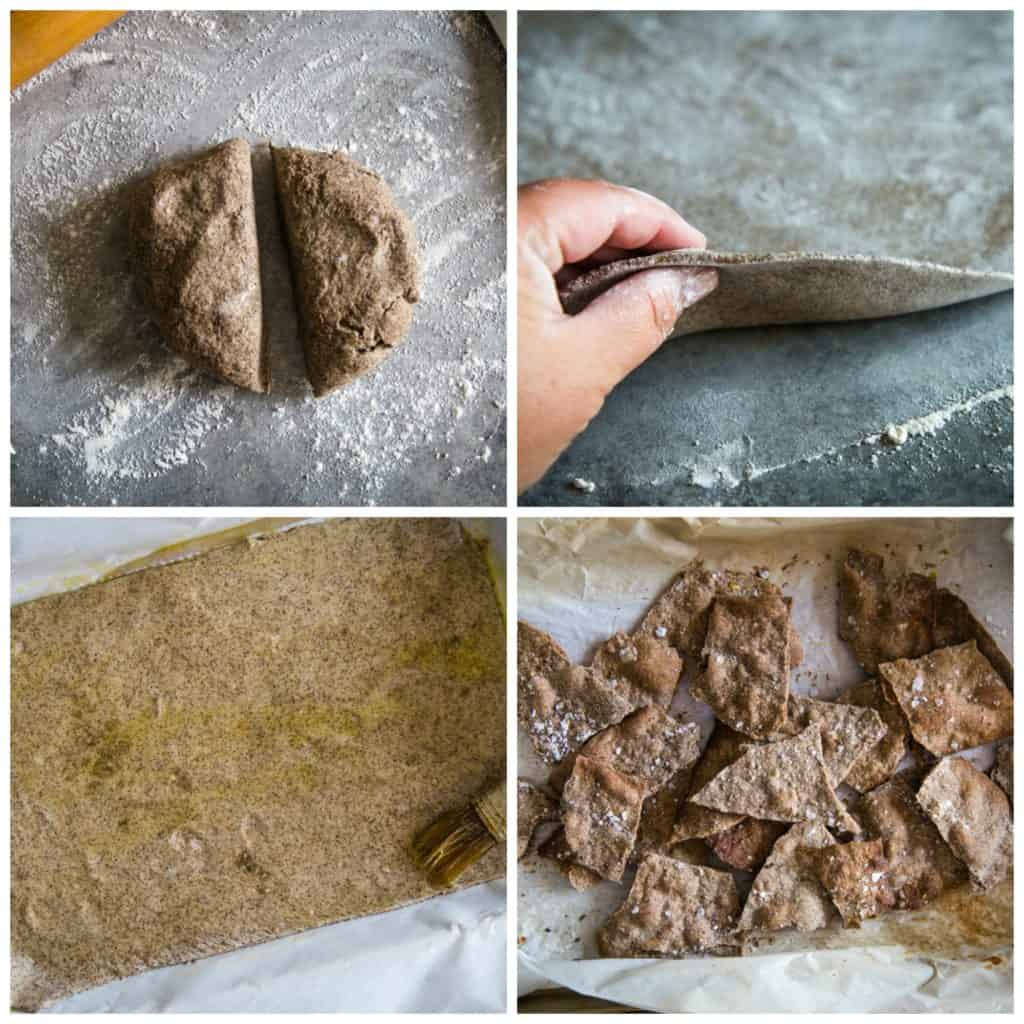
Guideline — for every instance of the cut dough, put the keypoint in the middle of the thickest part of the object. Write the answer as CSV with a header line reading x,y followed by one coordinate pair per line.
x,y
353,257
193,227
756,289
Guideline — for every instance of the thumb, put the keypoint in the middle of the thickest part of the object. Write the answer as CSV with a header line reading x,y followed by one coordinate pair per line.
x,y
625,325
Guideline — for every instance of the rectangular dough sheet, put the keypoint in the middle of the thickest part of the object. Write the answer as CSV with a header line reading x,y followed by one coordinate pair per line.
x,y
236,747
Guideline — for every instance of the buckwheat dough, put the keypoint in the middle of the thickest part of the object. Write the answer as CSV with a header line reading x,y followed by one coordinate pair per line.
x,y
756,289
353,258
229,749
193,228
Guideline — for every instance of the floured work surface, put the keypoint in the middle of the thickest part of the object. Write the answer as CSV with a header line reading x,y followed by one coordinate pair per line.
x,y
763,129
779,833
104,413
232,748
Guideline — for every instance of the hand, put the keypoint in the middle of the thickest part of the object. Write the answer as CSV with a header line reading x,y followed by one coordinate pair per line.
x,y
569,364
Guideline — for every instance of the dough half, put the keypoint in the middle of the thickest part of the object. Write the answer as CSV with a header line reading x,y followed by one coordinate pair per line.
x,y
194,238
353,258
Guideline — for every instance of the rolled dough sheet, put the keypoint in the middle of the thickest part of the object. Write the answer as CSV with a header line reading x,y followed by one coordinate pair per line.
x,y
236,747
798,287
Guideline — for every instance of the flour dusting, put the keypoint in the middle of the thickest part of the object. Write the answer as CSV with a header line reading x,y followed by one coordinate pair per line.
x,y
104,414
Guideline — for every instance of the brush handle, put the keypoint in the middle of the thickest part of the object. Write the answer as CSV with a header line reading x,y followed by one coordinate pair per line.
x,y
490,808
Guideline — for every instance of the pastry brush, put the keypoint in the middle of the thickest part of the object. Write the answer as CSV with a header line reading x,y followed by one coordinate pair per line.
x,y
458,839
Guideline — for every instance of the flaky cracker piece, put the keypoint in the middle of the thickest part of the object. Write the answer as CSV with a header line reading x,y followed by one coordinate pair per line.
x,y
658,819
955,624
747,845
883,619
557,849
648,744
745,679
783,781
879,762
856,876
680,614
647,666
973,815
846,731
694,821
921,864
672,909
561,705
952,698
533,806
1002,770
601,814
787,892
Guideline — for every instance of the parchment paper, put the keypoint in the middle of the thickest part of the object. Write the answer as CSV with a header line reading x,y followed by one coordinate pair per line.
x,y
582,580
103,414
452,948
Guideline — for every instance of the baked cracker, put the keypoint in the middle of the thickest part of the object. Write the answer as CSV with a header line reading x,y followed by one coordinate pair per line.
x,y
561,705
746,672
846,731
694,821
557,849
787,892
648,744
601,814
973,815
747,845
955,624
883,619
533,806
680,614
1002,770
657,821
921,864
879,762
856,876
672,908
646,664
783,781
952,698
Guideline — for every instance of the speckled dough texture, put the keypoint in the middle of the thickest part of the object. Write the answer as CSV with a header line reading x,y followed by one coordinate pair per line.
x,y
353,258
225,750
797,288
194,237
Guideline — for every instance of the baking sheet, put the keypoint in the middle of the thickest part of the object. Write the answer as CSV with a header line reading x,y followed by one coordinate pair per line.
x,y
582,580
452,948
103,414
788,131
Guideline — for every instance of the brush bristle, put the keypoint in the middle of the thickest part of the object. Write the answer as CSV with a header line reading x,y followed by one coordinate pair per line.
x,y
450,846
